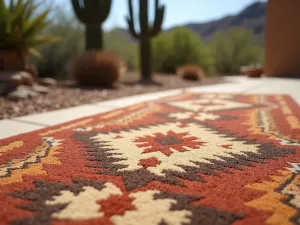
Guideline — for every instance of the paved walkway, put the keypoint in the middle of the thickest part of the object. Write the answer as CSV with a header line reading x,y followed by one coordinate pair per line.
x,y
242,85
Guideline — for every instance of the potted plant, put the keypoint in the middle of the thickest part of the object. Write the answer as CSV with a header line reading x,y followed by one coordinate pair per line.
x,y
20,26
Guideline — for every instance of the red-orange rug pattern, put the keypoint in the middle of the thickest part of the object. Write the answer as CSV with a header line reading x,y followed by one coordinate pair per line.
x,y
187,159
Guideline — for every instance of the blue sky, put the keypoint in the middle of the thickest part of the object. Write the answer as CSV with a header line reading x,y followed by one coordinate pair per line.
x,y
177,11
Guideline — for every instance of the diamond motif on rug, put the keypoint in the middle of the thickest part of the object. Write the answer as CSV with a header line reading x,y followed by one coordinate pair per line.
x,y
172,146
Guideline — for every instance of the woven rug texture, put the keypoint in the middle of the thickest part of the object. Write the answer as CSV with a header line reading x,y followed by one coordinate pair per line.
x,y
211,159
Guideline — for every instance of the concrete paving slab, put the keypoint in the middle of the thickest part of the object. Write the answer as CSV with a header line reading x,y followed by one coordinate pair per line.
x,y
234,85
10,128
132,100
279,86
63,115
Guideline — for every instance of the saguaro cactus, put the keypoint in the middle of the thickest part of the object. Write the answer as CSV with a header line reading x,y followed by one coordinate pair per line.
x,y
92,13
146,32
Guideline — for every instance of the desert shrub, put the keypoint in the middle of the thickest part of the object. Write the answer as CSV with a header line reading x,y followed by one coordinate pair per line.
x,y
178,47
235,49
95,68
55,56
119,42
190,72
21,25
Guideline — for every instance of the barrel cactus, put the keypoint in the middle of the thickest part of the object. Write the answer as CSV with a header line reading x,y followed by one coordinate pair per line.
x,y
92,13
96,68
147,32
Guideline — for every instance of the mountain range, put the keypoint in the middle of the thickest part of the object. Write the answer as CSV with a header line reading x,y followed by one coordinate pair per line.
x,y
252,17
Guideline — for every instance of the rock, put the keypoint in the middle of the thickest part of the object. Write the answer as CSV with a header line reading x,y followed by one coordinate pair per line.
x,y
40,89
27,79
49,82
10,77
22,92
69,83
16,77
104,93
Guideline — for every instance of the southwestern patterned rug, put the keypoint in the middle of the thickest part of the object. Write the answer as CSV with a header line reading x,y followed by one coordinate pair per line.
x,y
188,159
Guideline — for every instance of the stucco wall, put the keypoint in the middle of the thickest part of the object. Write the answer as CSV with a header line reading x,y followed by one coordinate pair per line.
x,y
283,38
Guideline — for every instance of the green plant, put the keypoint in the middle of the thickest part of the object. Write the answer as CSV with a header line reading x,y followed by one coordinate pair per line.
x,y
235,49
92,13
55,55
94,68
146,32
20,27
118,42
190,72
178,47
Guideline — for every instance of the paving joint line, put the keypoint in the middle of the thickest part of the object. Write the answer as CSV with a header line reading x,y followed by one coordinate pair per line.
x,y
98,104
29,122
149,95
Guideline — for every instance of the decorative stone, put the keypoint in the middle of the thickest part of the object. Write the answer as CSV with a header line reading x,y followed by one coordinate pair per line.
x,y
27,79
49,82
16,77
40,89
10,77
104,93
22,92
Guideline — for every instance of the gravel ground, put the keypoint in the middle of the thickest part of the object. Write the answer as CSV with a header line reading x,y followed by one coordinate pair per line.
x,y
66,95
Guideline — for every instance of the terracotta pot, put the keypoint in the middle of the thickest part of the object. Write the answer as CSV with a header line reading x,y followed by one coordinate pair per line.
x,y
255,72
11,60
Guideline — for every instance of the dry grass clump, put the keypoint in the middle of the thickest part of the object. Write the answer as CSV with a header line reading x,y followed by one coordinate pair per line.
x,y
190,72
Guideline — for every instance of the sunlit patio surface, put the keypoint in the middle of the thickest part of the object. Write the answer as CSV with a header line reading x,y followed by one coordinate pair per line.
x,y
235,85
